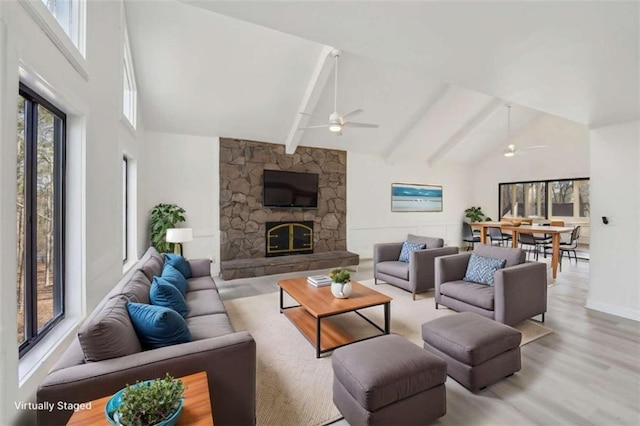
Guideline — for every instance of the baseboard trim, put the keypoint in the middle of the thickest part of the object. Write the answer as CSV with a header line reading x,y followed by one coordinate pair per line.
x,y
619,311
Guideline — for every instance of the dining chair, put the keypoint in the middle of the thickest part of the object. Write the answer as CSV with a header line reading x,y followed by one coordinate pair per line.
x,y
570,246
497,235
468,236
529,241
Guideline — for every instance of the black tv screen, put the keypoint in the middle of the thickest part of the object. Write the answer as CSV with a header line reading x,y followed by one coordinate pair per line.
x,y
290,189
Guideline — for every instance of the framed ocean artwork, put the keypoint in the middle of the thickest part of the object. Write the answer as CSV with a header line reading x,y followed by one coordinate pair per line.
x,y
410,197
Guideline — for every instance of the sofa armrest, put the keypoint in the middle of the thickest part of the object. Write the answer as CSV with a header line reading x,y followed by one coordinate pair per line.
x,y
520,292
200,267
451,268
230,363
422,267
385,252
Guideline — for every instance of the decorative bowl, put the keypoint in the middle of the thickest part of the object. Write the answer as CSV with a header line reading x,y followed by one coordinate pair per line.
x,y
516,222
111,409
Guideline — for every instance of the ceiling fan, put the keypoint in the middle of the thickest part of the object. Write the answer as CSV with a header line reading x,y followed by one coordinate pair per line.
x,y
337,121
510,151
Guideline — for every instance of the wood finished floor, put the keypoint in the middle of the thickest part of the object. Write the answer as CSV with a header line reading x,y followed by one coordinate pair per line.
x,y
587,372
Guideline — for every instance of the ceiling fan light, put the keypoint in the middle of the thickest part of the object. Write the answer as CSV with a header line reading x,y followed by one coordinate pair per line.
x,y
335,127
509,153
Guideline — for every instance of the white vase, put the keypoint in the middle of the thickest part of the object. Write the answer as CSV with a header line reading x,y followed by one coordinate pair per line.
x,y
341,290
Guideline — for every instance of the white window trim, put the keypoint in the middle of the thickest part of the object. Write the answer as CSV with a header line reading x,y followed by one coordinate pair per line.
x,y
48,23
130,71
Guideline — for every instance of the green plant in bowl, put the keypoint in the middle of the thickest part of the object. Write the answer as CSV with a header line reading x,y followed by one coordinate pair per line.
x,y
340,276
152,402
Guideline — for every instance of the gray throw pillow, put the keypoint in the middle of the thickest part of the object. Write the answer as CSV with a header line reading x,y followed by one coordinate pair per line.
x,y
110,333
481,270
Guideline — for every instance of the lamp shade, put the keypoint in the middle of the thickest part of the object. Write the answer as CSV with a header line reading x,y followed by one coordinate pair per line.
x,y
179,235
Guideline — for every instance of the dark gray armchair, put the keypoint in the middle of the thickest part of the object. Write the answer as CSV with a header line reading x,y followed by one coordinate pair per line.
x,y
416,276
519,291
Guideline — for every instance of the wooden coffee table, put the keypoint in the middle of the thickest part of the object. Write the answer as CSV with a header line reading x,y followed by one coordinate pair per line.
x,y
317,303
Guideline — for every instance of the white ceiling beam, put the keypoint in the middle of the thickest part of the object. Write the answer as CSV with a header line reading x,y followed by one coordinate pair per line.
x,y
421,114
318,80
465,131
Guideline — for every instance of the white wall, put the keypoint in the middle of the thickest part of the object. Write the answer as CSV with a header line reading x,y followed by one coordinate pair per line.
x,y
369,216
614,274
96,142
184,170
566,156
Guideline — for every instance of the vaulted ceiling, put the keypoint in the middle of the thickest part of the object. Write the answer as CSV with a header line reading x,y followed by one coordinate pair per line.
x,y
434,75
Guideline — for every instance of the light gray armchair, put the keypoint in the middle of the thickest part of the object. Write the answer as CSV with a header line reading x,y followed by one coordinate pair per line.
x,y
416,276
519,291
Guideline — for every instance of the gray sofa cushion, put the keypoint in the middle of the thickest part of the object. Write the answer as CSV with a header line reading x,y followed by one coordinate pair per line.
x,y
475,294
200,283
513,256
153,266
470,338
394,268
110,333
137,288
430,242
208,326
204,302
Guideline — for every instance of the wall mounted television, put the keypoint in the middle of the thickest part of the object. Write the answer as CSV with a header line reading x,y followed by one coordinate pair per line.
x,y
290,189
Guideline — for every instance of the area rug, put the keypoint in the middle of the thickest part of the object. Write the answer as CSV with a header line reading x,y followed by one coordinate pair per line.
x,y
293,387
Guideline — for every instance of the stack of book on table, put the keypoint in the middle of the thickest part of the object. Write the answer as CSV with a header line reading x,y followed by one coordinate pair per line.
x,y
319,280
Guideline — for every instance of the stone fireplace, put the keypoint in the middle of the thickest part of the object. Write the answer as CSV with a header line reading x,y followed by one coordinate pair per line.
x,y
321,239
284,238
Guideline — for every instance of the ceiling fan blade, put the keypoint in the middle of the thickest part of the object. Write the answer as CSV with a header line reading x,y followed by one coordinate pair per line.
x,y
534,147
308,115
354,124
354,112
314,127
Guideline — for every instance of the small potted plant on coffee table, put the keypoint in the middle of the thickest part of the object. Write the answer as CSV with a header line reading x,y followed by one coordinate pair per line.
x,y
340,285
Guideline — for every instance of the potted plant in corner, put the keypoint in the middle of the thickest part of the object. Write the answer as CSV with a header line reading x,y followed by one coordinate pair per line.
x,y
475,214
340,285
153,402
163,217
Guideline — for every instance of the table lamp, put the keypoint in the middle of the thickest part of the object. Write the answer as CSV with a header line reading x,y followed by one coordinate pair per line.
x,y
179,236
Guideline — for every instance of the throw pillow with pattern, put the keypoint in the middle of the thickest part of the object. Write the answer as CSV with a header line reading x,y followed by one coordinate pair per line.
x,y
481,269
408,248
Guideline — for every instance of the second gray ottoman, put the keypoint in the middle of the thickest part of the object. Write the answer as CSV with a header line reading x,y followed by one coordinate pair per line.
x,y
478,351
388,380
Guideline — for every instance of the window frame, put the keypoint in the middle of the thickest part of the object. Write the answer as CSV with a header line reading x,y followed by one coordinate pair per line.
x,y
73,51
125,209
130,109
31,333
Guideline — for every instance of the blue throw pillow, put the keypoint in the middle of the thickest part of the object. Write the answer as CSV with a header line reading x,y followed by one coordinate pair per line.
x,y
408,248
175,278
164,294
178,262
157,326
482,269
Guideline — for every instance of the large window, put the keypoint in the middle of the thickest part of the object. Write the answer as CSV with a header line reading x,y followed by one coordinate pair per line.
x,y
561,199
40,217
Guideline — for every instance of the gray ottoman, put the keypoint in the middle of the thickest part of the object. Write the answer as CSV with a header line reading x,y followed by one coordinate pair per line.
x,y
478,351
388,380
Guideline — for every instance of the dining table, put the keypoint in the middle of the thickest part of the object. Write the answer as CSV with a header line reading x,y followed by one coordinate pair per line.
x,y
554,231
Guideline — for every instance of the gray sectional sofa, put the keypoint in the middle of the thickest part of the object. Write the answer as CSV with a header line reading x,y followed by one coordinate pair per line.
x,y
107,355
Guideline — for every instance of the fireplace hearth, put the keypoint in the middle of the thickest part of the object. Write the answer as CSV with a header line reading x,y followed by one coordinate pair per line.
x,y
287,238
